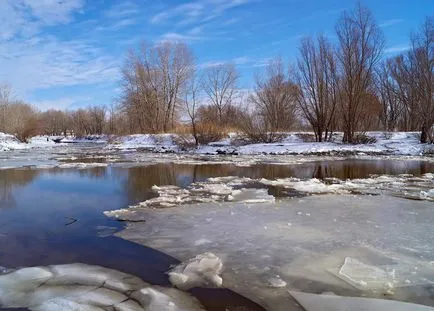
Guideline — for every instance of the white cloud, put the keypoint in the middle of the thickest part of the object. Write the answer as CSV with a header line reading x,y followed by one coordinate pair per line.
x,y
177,37
391,22
191,12
32,60
46,62
117,25
395,49
122,9
52,11
59,103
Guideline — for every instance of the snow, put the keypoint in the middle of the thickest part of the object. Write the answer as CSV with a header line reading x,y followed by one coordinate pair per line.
x,y
10,142
152,142
201,271
399,143
87,288
312,302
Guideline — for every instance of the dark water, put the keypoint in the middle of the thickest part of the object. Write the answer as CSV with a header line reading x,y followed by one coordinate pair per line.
x,y
56,216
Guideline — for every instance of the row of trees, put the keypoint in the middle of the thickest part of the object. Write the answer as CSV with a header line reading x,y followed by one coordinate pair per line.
x,y
343,85
346,85
24,121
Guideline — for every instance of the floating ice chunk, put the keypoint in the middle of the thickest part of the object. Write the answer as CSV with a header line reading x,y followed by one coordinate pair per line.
x,y
80,287
313,302
202,242
362,275
64,305
202,270
277,282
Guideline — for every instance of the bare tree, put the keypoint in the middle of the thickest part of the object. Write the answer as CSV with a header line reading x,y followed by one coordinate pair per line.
x,y
318,84
192,92
421,59
275,97
97,119
220,86
387,90
152,81
5,101
361,44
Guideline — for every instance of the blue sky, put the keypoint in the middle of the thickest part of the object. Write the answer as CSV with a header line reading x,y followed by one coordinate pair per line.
x,y
67,53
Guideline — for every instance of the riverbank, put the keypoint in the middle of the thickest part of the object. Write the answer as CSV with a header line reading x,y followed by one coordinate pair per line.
x,y
296,143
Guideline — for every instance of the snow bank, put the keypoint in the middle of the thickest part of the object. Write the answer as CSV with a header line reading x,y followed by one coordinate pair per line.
x,y
400,143
201,271
151,142
85,287
10,142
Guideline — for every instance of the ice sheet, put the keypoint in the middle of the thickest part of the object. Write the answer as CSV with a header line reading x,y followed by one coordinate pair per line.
x,y
258,245
312,302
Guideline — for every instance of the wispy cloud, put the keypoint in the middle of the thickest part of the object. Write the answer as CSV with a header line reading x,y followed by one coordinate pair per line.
x,y
178,37
390,22
117,25
33,59
47,62
191,12
395,49
122,10
239,61
60,103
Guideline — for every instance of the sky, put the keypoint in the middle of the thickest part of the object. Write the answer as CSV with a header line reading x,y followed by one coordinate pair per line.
x,y
67,54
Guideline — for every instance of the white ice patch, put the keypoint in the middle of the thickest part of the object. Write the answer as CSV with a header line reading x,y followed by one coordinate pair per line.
x,y
312,302
201,271
383,278
80,287
210,191
247,190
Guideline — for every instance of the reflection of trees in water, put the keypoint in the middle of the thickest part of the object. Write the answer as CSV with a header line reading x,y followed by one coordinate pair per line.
x,y
11,179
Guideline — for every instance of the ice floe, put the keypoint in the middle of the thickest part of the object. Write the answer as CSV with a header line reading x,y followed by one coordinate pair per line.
x,y
247,190
201,271
80,287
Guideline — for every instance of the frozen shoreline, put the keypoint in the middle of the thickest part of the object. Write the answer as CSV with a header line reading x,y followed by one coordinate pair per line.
x,y
396,144
302,243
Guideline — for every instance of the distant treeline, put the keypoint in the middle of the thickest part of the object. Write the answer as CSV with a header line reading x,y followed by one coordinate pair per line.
x,y
344,85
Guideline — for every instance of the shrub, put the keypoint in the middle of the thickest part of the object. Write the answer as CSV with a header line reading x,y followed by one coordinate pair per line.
x,y
364,139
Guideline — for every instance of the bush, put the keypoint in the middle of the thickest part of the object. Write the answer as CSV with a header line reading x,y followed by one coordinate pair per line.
x,y
306,137
364,139
255,130
209,132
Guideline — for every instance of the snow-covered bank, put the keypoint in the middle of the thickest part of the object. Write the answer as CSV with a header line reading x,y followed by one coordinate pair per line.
x,y
315,244
392,144
10,142
400,143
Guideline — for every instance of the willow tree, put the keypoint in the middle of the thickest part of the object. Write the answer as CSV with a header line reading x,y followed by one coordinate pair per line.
x,y
317,81
361,46
153,78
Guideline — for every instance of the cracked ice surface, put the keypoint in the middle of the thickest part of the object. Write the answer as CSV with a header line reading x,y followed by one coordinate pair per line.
x,y
81,287
302,244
